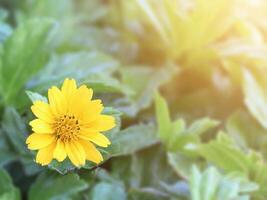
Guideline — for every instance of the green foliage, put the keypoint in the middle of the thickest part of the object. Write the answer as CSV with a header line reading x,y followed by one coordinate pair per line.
x,y
7,189
142,135
206,58
225,154
24,53
144,82
54,186
175,135
107,191
211,185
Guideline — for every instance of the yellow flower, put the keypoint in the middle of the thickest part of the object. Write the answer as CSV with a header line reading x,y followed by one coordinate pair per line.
x,y
68,126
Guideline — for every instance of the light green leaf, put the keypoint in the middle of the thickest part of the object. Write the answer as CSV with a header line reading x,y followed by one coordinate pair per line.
x,y
211,185
164,119
24,53
223,153
36,96
201,126
175,135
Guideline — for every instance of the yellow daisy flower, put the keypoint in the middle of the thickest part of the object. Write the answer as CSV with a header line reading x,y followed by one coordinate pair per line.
x,y
68,126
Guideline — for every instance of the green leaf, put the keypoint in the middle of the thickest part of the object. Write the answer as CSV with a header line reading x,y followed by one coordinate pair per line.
x,y
92,68
34,96
108,191
24,53
122,141
15,130
175,135
163,118
143,172
53,186
6,154
181,164
7,189
201,126
245,130
223,153
144,82
211,185
255,98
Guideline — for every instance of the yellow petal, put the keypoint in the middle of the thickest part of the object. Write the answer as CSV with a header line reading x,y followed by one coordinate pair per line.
x,y
96,138
91,152
59,152
43,111
57,101
39,140
75,153
102,123
69,88
40,126
91,111
81,103
45,155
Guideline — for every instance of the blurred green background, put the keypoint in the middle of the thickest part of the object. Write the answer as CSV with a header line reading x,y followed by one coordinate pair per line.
x,y
185,79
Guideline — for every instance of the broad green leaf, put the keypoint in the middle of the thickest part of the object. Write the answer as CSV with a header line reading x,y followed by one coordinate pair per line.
x,y
15,130
53,186
143,172
52,10
15,136
255,98
108,191
93,68
7,189
181,163
143,136
225,154
15,133
24,53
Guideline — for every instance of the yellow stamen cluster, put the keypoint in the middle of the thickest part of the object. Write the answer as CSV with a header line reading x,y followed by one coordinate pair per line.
x,y
67,127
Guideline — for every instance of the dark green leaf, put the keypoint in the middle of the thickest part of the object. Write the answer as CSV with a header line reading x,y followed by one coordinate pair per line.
x,y
53,186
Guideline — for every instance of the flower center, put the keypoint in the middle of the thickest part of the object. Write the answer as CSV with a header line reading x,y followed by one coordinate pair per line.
x,y
66,127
